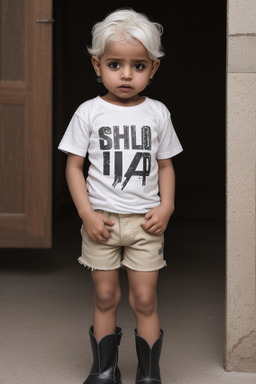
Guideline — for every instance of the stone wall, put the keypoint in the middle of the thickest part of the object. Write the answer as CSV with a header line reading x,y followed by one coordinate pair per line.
x,y
241,193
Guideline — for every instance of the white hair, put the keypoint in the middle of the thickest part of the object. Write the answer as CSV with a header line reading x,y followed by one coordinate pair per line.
x,y
126,24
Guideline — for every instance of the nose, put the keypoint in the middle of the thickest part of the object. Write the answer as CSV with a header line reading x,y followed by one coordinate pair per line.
x,y
126,73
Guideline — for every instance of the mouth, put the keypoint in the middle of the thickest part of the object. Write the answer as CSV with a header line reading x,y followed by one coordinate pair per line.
x,y
125,87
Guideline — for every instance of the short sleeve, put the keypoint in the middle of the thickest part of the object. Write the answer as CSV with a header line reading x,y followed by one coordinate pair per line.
x,y
169,144
76,137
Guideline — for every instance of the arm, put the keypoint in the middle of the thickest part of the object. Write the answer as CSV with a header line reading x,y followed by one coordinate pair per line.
x,y
94,222
157,218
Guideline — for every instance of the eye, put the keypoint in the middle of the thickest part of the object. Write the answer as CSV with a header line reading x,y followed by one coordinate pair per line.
x,y
114,65
139,66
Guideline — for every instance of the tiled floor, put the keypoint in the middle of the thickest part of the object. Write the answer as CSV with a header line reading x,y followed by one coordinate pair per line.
x,y
46,303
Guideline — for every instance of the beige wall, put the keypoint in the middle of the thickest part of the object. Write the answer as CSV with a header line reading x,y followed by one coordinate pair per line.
x,y
241,192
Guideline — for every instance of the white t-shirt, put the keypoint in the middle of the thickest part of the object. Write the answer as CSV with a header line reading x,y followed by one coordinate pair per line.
x,y
123,146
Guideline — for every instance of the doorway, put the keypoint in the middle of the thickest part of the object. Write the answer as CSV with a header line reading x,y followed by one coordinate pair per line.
x,y
47,295
190,81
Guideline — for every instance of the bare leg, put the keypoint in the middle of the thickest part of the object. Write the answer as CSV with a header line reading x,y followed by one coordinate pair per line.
x,y
107,295
143,301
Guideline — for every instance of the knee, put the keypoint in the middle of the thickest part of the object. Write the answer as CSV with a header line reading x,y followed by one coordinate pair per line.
x,y
144,303
107,299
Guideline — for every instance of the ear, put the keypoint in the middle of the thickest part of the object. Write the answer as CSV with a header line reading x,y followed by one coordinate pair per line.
x,y
96,65
155,67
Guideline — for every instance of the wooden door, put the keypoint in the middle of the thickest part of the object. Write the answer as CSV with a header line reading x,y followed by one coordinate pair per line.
x,y
25,123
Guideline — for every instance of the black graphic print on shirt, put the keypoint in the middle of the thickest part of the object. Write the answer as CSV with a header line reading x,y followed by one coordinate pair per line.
x,y
137,140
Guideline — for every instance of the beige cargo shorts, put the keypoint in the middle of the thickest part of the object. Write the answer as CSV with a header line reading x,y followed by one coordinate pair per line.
x,y
129,246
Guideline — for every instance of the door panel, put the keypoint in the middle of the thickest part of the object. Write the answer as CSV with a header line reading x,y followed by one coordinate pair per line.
x,y
12,158
25,123
12,40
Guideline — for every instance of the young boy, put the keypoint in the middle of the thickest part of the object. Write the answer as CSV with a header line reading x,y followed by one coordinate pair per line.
x,y
128,197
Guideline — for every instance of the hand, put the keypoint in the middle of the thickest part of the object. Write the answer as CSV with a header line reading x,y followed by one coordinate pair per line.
x,y
95,226
157,220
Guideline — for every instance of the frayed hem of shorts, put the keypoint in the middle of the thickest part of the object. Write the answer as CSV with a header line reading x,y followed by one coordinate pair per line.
x,y
93,268
125,265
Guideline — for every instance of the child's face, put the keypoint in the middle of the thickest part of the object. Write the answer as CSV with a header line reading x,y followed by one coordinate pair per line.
x,y
125,69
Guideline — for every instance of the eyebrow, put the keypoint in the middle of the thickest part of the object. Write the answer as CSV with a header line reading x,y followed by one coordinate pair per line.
x,y
120,59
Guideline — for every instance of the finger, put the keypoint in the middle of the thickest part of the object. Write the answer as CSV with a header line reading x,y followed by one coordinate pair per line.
x,y
148,215
144,226
149,227
157,232
156,229
149,224
108,221
105,234
99,239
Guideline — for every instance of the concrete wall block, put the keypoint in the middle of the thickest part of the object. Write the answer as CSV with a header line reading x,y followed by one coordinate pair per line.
x,y
242,357
241,54
241,222
241,17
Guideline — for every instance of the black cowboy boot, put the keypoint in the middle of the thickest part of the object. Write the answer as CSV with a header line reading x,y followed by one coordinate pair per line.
x,y
105,358
148,371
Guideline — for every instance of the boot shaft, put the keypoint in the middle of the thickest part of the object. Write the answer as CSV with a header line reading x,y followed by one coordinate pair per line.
x,y
104,368
105,352
148,359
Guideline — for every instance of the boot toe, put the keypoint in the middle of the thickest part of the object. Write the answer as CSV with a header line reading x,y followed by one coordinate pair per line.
x,y
101,379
